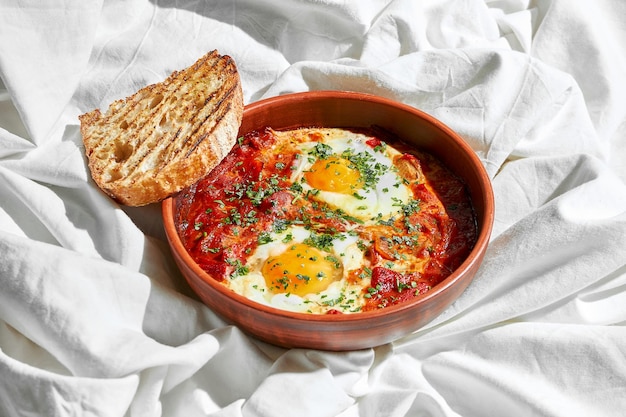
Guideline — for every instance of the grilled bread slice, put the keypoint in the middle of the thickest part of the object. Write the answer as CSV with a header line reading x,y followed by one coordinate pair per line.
x,y
167,135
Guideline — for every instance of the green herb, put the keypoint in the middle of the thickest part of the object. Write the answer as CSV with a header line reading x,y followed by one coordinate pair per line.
x,y
334,260
411,207
368,167
335,301
323,241
390,222
280,225
381,147
296,187
264,237
411,228
401,285
321,150
373,291
239,268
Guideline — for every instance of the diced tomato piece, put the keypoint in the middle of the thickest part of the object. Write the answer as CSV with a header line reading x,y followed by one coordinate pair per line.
x,y
216,269
373,142
384,279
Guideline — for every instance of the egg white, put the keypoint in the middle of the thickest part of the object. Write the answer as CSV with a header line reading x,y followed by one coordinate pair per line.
x,y
382,201
253,286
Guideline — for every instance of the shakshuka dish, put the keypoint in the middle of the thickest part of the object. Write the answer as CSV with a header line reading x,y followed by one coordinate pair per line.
x,y
327,220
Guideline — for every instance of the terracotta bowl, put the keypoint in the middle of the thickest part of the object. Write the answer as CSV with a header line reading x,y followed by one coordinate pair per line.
x,y
360,330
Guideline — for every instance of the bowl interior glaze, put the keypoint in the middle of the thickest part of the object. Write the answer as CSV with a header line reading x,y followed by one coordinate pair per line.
x,y
360,330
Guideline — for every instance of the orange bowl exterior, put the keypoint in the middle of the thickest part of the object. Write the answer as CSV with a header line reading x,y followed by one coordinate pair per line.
x,y
359,330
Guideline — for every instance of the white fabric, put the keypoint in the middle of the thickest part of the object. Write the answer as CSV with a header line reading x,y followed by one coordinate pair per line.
x,y
95,319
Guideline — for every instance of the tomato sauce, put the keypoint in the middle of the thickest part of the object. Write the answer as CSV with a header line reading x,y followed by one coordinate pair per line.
x,y
223,218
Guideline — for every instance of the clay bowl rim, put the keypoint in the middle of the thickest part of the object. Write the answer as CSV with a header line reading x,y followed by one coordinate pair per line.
x,y
475,255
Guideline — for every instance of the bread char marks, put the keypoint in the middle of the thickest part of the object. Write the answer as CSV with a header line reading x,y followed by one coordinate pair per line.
x,y
214,108
152,150
223,107
167,135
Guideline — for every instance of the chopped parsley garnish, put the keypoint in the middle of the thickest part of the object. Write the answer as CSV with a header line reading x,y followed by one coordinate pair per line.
x,y
322,241
264,237
334,260
239,268
321,150
221,204
368,167
304,278
411,207
296,187
280,225
380,147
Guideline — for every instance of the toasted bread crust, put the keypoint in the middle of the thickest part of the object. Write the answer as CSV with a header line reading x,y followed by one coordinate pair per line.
x,y
166,136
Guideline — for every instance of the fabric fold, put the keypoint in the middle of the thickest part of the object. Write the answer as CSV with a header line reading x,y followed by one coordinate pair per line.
x,y
96,319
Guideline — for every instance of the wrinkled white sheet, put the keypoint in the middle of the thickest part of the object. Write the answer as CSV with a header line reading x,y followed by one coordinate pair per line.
x,y
95,319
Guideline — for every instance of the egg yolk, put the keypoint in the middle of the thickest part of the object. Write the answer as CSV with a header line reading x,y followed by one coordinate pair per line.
x,y
301,270
334,174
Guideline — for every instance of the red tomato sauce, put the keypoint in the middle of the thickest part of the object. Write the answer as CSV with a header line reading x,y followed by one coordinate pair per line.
x,y
222,219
